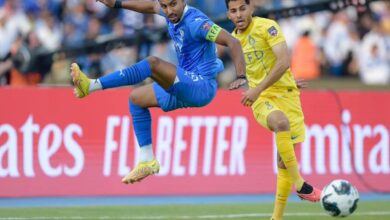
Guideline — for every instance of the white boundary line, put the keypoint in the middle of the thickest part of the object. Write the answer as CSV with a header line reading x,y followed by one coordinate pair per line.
x,y
232,216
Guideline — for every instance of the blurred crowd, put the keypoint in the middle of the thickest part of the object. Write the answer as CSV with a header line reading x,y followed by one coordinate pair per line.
x,y
354,42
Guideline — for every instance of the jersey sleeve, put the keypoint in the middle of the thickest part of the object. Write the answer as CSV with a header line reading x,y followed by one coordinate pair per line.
x,y
273,33
203,28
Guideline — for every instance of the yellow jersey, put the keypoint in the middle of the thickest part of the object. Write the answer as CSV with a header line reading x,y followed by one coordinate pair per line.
x,y
257,42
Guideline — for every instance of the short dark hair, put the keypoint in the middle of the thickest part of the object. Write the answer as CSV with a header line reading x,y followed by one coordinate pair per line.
x,y
227,2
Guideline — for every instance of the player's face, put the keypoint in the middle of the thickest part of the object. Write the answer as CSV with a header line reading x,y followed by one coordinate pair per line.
x,y
240,13
173,9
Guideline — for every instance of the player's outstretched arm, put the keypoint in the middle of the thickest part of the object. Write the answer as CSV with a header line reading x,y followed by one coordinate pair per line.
x,y
142,6
225,39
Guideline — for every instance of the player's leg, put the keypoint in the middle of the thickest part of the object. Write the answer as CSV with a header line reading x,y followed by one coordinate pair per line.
x,y
283,188
141,99
262,108
279,123
162,72
290,104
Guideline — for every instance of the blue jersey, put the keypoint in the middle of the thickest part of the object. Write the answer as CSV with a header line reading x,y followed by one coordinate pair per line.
x,y
194,52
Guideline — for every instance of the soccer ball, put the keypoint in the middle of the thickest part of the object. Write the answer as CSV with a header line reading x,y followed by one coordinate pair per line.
x,y
339,198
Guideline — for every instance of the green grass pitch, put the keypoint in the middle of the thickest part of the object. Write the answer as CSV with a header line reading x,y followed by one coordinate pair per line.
x,y
379,210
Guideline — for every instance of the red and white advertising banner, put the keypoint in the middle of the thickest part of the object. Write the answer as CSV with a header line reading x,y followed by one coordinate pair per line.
x,y
52,144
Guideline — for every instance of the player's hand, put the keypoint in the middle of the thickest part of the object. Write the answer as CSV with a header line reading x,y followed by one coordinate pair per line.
x,y
301,83
108,3
237,83
250,96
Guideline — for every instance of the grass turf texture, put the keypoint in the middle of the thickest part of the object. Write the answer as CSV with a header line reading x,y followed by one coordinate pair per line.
x,y
297,210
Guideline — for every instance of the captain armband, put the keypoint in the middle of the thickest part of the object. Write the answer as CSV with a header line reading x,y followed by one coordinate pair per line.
x,y
213,33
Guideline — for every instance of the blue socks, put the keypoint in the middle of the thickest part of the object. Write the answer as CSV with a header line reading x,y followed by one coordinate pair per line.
x,y
128,76
134,74
142,123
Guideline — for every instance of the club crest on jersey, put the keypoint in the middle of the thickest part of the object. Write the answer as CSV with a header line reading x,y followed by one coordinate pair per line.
x,y
206,26
272,31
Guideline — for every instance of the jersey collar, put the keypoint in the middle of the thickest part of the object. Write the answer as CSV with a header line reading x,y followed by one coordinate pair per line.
x,y
182,16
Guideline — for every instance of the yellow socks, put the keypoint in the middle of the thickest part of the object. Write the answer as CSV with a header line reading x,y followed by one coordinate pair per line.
x,y
283,189
287,153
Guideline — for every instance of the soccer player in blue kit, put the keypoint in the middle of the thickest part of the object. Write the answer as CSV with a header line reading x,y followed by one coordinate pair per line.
x,y
192,83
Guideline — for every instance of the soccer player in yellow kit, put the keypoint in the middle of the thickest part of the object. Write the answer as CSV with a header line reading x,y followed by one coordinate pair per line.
x,y
273,96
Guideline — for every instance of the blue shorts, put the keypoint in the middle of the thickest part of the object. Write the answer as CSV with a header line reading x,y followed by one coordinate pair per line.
x,y
189,90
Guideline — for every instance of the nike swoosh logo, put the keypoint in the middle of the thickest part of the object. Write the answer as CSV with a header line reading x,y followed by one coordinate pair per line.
x,y
294,137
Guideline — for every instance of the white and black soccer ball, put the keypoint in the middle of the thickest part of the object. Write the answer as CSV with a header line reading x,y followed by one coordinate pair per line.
x,y
339,198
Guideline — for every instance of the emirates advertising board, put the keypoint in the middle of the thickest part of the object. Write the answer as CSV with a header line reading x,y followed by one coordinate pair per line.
x,y
52,144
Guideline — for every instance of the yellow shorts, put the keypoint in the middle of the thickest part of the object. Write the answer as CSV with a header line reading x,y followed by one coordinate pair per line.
x,y
290,104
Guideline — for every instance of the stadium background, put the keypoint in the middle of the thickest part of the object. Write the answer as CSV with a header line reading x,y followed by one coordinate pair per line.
x,y
49,157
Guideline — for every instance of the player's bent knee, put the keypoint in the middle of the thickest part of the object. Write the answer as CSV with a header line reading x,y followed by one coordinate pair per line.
x,y
278,121
136,98
282,124
153,62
